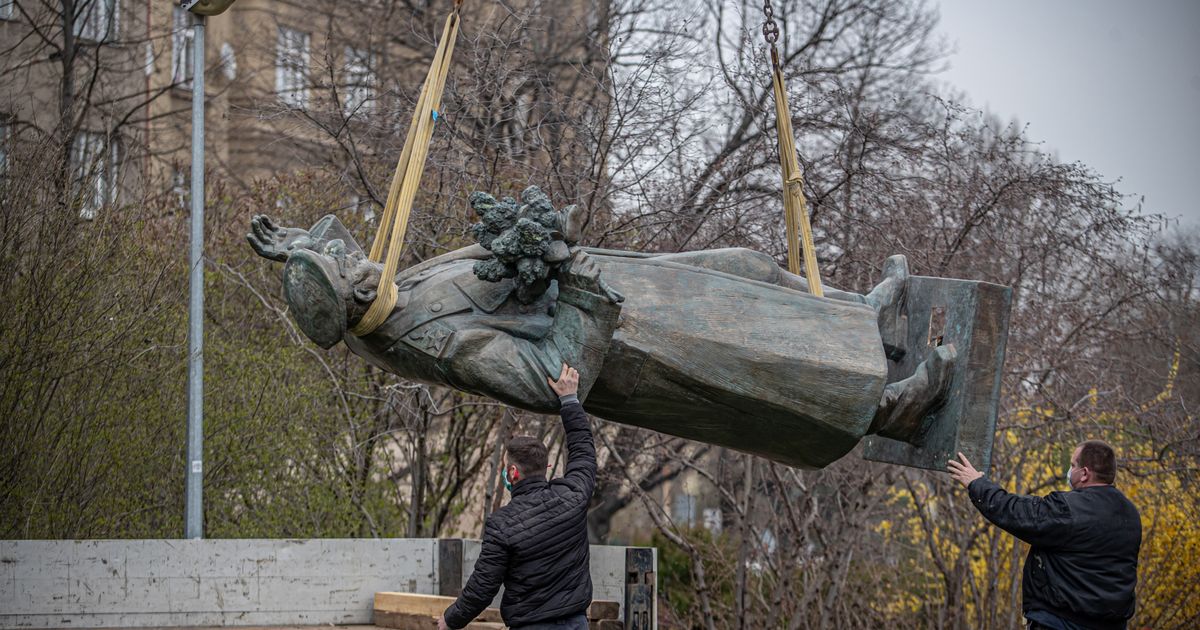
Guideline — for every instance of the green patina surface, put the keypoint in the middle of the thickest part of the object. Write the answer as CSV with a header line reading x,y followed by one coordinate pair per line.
x,y
719,346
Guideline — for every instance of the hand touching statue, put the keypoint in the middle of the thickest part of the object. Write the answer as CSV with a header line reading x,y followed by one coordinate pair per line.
x,y
567,383
962,470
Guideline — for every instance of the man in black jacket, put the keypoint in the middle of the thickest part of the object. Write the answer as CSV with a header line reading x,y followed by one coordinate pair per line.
x,y
537,544
1082,564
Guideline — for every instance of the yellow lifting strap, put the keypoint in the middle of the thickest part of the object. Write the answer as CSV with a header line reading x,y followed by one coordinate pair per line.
x,y
406,179
795,209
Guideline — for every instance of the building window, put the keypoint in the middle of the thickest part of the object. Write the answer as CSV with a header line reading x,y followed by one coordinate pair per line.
x,y
228,62
181,48
360,81
713,520
94,160
96,20
291,67
179,189
6,9
683,509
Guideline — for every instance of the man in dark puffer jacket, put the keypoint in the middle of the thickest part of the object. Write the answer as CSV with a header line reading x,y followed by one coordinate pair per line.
x,y
1082,565
537,544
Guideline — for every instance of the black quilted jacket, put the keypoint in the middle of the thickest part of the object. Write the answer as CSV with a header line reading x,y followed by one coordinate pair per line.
x,y
1082,563
537,544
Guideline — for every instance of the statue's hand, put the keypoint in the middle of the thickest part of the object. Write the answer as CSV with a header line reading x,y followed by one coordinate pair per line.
x,y
272,241
583,273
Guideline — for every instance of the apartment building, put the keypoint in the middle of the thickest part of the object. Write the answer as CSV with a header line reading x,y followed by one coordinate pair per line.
x,y
289,84
113,78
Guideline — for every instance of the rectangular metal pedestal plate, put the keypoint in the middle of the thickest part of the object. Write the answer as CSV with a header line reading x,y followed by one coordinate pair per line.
x,y
973,316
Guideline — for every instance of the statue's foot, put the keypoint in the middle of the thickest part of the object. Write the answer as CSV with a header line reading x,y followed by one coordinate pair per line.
x,y
905,404
887,298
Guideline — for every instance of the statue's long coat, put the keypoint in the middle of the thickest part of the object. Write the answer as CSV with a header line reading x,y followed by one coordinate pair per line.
x,y
696,352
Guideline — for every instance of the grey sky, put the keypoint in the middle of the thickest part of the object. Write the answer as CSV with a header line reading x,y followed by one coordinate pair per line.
x,y
1114,84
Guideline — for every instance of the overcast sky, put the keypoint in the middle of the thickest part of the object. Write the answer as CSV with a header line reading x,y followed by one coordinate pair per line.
x,y
1114,84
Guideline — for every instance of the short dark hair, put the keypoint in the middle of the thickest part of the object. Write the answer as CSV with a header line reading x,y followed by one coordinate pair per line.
x,y
1099,458
529,455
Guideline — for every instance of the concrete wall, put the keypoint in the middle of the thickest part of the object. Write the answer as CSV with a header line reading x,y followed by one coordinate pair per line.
x,y
129,583
104,583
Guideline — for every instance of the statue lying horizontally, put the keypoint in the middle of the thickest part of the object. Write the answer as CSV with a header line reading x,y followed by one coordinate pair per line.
x,y
721,346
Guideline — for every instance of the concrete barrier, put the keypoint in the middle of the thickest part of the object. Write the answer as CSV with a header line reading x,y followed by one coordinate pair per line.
x,y
138,583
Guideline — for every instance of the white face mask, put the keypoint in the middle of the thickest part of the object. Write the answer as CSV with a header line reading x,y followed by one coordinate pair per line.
x,y
1070,473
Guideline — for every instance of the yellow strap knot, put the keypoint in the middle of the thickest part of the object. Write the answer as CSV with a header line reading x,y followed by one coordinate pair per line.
x,y
795,209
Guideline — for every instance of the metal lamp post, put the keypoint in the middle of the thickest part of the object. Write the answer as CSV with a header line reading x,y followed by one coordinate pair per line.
x,y
194,504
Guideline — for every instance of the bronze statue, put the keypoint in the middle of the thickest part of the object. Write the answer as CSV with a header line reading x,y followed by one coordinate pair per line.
x,y
721,346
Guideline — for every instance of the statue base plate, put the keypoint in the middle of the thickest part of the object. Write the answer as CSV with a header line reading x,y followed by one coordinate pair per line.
x,y
973,316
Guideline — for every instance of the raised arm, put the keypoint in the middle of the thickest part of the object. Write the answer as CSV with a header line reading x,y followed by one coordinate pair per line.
x,y
1037,521
581,448
1042,521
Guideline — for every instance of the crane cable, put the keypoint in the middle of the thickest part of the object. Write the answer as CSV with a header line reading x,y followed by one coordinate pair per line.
x,y
795,208
389,240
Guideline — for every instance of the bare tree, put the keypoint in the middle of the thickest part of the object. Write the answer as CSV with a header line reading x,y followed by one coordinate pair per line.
x,y
655,117
79,74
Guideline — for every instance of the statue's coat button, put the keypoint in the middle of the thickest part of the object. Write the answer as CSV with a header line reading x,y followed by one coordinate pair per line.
x,y
435,307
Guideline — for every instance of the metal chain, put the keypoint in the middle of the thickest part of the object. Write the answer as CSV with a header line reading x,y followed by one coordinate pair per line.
x,y
770,29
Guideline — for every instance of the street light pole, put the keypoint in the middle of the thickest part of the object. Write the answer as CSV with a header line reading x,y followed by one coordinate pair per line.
x,y
194,507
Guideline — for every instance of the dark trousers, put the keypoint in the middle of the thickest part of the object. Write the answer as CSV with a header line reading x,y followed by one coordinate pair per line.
x,y
575,622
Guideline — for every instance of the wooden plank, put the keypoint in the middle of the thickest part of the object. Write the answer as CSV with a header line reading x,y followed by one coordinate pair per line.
x,y
402,621
413,603
408,621
602,609
419,604
416,611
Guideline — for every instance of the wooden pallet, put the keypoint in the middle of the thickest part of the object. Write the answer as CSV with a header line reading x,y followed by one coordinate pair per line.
x,y
414,611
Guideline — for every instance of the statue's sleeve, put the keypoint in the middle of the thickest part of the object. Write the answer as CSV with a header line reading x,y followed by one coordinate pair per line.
x,y
514,370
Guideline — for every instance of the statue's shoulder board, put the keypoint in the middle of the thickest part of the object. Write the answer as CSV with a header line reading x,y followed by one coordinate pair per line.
x,y
486,296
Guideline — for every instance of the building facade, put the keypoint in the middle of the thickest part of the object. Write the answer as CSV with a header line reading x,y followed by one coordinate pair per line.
x,y
112,79
288,84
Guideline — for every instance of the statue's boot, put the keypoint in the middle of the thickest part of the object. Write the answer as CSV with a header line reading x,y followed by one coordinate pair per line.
x,y
887,298
906,404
